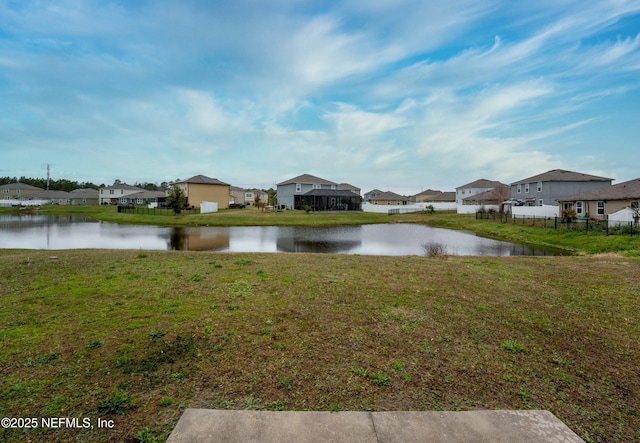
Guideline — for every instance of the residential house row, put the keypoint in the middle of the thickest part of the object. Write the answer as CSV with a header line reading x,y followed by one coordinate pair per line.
x,y
588,195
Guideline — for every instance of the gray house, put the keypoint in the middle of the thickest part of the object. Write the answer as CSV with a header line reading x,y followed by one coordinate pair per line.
x,y
320,194
553,186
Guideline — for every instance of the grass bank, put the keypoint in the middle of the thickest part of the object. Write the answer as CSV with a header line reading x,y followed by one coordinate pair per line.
x,y
226,217
136,337
577,242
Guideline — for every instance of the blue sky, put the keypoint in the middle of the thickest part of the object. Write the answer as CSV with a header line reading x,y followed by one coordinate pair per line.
x,y
397,95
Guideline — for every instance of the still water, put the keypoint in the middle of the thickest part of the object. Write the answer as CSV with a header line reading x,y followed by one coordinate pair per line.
x,y
71,232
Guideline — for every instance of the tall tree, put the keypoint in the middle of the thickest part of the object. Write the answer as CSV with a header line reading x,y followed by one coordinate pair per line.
x,y
176,199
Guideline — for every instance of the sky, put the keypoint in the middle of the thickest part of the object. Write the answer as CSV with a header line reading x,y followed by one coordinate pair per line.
x,y
399,95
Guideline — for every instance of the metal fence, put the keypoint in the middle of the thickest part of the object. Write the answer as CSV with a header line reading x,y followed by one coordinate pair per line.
x,y
143,210
605,227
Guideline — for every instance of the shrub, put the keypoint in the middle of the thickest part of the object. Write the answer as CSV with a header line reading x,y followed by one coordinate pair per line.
x,y
307,209
568,215
118,402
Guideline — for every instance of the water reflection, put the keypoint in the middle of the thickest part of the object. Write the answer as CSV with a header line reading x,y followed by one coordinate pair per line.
x,y
44,232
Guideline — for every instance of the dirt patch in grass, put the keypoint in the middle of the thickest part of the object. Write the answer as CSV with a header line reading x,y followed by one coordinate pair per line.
x,y
137,338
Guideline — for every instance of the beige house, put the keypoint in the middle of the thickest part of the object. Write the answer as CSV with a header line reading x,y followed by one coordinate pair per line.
x,y
201,188
426,196
18,191
388,198
602,202
237,195
251,194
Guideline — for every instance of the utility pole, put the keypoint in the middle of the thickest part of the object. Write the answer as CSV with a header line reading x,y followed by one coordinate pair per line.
x,y
48,169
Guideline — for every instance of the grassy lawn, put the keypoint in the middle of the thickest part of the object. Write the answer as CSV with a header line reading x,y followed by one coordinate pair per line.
x,y
138,336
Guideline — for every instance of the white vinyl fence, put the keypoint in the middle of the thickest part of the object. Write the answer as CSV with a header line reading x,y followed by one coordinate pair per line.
x,y
13,202
416,207
535,211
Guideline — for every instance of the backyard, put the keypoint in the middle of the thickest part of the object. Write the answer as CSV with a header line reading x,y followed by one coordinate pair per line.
x,y
138,336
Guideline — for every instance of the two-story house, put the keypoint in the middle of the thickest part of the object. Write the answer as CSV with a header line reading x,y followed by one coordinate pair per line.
x,y
551,187
318,193
117,193
18,191
477,187
201,188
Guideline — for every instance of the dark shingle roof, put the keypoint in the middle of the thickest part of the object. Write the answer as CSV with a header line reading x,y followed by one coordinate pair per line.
x,y
124,186
449,196
50,194
20,186
560,175
307,179
629,190
388,195
481,183
148,194
203,180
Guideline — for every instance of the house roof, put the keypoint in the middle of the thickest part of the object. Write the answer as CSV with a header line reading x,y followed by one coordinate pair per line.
x,y
561,175
497,193
388,195
429,192
50,194
124,186
449,196
348,187
148,194
307,179
20,186
236,188
85,192
203,180
374,191
629,190
481,183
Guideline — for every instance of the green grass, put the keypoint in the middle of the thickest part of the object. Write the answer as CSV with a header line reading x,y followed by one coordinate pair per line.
x,y
80,337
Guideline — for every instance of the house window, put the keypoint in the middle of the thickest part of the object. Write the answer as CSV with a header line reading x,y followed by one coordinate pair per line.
x,y
298,187
123,200
519,189
316,186
539,186
17,191
578,207
84,200
600,208
526,188
540,203
568,206
139,201
333,186
111,191
121,191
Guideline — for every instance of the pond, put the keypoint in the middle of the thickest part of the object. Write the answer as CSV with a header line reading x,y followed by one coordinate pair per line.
x,y
74,232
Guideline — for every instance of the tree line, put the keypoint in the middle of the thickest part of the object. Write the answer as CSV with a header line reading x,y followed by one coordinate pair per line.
x,y
69,185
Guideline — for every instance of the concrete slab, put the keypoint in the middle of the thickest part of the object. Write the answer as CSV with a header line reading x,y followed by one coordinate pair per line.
x,y
472,426
205,425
